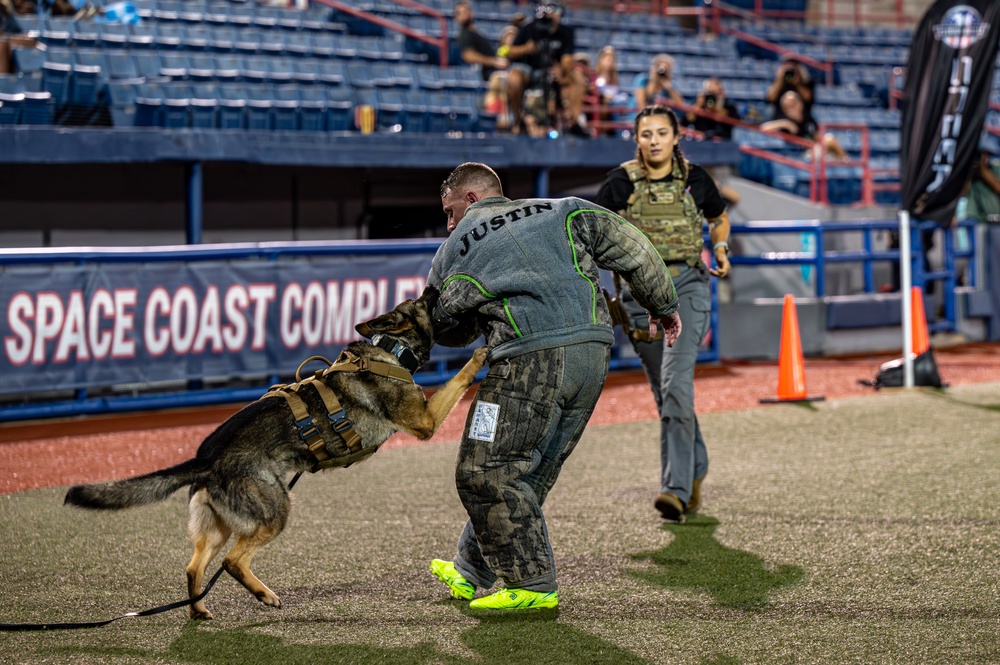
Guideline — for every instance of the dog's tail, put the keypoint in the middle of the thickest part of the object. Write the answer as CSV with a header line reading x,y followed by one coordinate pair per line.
x,y
138,491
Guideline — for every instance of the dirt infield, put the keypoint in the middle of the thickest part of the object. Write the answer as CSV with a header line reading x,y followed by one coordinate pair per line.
x,y
62,452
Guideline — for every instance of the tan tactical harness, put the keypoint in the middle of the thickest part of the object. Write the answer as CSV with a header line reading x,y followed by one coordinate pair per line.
x,y
308,431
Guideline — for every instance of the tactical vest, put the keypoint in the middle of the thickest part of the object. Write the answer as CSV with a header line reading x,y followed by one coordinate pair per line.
x,y
666,213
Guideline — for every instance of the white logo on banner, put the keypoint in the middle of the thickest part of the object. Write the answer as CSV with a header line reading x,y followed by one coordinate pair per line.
x,y
484,422
961,27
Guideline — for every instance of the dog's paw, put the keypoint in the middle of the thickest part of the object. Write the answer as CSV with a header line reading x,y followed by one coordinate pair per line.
x,y
268,598
479,357
200,615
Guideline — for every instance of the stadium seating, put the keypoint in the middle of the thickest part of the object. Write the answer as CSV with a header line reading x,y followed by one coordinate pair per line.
x,y
233,65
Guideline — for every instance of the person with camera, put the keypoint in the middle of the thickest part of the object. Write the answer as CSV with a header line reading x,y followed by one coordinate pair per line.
x,y
657,86
712,99
668,198
542,61
793,76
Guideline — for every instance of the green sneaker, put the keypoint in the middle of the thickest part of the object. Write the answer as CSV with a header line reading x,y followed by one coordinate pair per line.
x,y
516,599
460,587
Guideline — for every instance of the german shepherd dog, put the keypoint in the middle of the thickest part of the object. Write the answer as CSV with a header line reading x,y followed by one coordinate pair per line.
x,y
238,476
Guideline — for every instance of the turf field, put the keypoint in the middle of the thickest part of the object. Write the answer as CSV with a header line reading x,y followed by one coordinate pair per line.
x,y
863,530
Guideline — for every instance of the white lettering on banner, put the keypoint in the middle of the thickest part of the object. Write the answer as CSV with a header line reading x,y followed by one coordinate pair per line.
x,y
951,122
181,323
18,345
409,288
47,326
316,316
234,333
74,332
75,328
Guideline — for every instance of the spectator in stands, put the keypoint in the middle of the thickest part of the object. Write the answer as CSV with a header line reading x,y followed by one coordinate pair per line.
x,y
657,85
712,99
797,121
667,198
474,47
542,60
549,345
497,99
605,90
791,75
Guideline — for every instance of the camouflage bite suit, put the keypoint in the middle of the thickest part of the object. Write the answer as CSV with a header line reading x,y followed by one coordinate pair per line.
x,y
525,274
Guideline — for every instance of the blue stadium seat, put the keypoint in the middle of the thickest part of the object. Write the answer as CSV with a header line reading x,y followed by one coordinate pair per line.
x,y
438,112
148,105
148,64
228,68
113,35
31,26
174,65
276,42
281,70
176,105
307,70
216,13
11,100
286,107
58,31
168,35
201,67
340,103
390,109
266,17
255,69
196,38
312,108
121,103
241,14
142,36
28,61
464,107
167,10
414,111
57,73
322,45
232,106
247,41
360,74
429,78
204,104
121,65
333,73
221,38
85,34
260,107
190,11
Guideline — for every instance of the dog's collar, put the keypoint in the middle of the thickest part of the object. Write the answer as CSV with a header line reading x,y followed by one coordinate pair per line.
x,y
403,354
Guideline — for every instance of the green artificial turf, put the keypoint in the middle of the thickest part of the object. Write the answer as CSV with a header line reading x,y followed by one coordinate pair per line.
x,y
858,531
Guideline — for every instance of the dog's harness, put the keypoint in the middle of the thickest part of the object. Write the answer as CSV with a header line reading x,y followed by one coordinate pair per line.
x,y
304,421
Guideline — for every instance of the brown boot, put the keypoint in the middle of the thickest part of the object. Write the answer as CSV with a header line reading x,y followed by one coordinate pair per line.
x,y
695,501
670,507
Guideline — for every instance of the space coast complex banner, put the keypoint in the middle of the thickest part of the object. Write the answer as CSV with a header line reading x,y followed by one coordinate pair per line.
x,y
948,78
104,324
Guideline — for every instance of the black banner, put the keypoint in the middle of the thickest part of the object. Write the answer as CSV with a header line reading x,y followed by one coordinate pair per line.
x,y
948,79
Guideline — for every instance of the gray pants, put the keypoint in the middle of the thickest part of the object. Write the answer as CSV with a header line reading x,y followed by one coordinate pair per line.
x,y
535,407
683,456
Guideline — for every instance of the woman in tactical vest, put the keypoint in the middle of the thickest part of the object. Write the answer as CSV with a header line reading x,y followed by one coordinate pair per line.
x,y
668,198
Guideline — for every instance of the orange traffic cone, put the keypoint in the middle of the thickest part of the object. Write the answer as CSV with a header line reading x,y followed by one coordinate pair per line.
x,y
919,339
791,366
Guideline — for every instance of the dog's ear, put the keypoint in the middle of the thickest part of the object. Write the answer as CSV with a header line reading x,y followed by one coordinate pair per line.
x,y
392,322
429,298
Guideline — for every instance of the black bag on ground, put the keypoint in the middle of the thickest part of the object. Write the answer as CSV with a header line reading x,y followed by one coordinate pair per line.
x,y
925,373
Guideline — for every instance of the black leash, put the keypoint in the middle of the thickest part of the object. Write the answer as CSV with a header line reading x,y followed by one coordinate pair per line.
x,y
12,627
95,624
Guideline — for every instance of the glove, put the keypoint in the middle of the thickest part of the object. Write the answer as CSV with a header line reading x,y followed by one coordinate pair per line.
x,y
671,326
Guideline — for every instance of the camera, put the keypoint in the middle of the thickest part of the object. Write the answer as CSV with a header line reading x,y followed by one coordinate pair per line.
x,y
710,101
661,71
789,76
